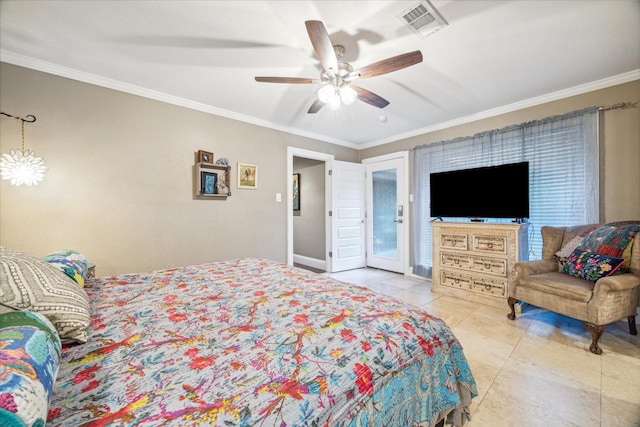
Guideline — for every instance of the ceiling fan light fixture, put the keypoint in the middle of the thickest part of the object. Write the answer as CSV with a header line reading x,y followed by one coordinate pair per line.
x,y
327,94
348,95
334,104
337,74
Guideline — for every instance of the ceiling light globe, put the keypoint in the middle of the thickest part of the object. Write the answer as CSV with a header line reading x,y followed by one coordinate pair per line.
x,y
327,94
334,104
348,95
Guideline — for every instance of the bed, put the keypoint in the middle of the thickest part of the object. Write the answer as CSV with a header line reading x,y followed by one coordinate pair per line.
x,y
252,342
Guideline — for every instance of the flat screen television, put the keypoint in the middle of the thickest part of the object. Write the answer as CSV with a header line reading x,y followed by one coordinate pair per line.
x,y
479,193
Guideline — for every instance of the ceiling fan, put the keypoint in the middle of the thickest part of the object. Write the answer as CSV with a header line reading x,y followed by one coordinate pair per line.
x,y
337,75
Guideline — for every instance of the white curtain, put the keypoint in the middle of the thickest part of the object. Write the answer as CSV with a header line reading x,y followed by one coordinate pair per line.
x,y
562,152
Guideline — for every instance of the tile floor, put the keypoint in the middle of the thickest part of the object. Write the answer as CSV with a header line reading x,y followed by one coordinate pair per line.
x,y
536,370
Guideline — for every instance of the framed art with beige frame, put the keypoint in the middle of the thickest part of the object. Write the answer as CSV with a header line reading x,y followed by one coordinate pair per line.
x,y
247,176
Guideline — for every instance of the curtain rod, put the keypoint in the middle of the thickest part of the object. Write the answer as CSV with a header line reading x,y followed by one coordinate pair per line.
x,y
619,105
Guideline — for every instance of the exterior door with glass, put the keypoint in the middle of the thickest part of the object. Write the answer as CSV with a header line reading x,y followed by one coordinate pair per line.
x,y
386,215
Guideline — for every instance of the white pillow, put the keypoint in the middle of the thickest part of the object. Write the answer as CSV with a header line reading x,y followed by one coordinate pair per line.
x,y
568,249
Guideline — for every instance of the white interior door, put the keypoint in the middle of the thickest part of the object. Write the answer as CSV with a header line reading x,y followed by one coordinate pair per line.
x,y
348,216
386,215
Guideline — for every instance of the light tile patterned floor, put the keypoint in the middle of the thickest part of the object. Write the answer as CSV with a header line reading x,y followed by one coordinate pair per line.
x,y
536,370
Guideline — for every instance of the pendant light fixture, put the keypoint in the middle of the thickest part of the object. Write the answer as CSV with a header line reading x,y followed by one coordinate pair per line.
x,y
22,166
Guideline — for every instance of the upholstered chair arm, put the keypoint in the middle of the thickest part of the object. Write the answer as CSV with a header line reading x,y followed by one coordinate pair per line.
x,y
615,297
617,282
527,268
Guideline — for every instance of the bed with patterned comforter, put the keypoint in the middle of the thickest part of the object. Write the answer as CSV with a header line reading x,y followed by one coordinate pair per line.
x,y
252,342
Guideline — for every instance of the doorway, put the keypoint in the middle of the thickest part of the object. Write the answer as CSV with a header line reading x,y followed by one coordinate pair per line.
x,y
324,223
309,243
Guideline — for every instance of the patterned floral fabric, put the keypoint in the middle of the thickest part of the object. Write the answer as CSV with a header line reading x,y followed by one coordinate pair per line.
x,y
29,360
70,262
590,266
255,343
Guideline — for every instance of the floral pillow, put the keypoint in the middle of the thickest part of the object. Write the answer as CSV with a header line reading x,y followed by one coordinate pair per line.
x,y
590,266
70,262
29,361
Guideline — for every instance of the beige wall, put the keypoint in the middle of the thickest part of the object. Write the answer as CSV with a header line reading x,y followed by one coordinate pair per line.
x,y
619,144
120,182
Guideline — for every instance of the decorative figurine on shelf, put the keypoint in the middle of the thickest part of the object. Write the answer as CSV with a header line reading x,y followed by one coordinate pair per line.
x,y
221,187
222,161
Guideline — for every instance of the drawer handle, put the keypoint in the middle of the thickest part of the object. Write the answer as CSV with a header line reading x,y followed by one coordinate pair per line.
x,y
456,281
490,245
487,287
487,265
456,261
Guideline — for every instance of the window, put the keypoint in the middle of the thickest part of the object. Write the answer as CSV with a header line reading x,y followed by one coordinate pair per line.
x,y
562,152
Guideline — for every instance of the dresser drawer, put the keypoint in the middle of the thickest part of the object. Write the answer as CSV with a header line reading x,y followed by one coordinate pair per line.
x,y
490,244
455,280
484,285
454,241
455,260
497,266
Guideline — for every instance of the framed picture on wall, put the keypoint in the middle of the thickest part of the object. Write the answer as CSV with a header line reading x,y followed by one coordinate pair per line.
x,y
296,191
205,156
247,176
208,181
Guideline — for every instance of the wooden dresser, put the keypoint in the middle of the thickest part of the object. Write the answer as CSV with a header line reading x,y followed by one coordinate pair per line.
x,y
474,261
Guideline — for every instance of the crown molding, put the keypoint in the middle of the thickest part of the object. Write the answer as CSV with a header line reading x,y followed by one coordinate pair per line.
x,y
531,102
47,67
58,70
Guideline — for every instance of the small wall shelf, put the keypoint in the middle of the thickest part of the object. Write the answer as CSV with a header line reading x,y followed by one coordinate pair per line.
x,y
212,180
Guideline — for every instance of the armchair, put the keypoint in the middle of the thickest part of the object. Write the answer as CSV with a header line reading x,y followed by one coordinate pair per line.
x,y
609,299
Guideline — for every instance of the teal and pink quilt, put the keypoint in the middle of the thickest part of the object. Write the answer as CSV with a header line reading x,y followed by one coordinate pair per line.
x,y
252,342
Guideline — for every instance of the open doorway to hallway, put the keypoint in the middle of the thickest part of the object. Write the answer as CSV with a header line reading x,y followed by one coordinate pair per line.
x,y
309,228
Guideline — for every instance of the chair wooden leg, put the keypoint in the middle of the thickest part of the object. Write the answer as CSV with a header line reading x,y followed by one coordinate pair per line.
x,y
632,325
596,332
512,302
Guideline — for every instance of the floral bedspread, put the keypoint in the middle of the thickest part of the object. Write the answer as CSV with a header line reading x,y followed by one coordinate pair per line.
x,y
252,342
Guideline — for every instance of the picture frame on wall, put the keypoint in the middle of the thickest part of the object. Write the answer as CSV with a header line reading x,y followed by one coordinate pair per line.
x,y
208,181
247,176
205,156
296,191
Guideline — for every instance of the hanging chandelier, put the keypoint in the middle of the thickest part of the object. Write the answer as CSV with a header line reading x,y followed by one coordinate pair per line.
x,y
22,166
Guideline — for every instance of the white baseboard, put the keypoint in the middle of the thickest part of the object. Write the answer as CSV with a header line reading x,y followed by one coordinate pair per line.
x,y
310,262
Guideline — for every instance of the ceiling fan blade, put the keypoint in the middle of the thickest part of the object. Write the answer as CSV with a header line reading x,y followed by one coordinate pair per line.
x,y
370,97
287,80
315,107
386,66
322,45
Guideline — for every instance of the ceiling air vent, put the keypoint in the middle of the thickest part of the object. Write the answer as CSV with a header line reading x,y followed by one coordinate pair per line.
x,y
423,19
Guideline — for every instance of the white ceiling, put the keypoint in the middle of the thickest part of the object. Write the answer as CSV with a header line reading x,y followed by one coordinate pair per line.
x,y
493,57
